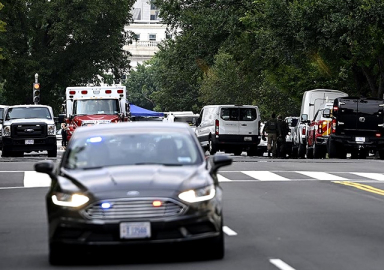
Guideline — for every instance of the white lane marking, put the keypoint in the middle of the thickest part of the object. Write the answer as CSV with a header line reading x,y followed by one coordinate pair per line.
x,y
375,176
265,176
322,175
228,231
222,178
280,264
35,179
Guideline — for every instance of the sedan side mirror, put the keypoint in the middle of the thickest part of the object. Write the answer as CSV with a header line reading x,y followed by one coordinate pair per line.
x,y
219,161
46,166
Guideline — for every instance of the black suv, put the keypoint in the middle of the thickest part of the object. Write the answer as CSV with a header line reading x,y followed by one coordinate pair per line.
x,y
357,127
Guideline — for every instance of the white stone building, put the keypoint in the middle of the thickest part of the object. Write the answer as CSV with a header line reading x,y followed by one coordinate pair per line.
x,y
148,29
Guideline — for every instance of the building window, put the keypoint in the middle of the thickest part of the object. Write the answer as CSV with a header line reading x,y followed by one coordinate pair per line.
x,y
168,36
153,7
137,36
152,37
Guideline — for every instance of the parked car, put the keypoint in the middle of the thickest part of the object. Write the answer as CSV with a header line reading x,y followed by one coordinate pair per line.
x,y
312,101
292,122
28,128
357,128
262,147
318,132
131,184
2,109
229,128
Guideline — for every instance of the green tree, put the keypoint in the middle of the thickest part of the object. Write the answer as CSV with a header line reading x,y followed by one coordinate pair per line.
x,y
2,29
65,42
140,85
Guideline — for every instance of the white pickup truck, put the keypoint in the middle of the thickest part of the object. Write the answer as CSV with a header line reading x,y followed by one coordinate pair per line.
x,y
28,128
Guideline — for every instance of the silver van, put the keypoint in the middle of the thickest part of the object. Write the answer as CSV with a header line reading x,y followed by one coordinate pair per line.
x,y
229,128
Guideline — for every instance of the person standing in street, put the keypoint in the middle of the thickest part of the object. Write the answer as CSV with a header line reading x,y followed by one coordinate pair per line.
x,y
64,140
271,129
282,132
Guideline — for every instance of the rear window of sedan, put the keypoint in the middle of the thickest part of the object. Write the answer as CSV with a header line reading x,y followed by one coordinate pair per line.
x,y
172,149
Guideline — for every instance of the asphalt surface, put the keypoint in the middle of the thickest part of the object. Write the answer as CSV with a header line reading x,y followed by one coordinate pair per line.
x,y
309,220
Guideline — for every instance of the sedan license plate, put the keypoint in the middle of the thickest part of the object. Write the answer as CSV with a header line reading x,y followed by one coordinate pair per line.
x,y
29,142
134,230
360,139
247,139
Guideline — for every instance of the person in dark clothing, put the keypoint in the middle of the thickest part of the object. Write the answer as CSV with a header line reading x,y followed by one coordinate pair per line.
x,y
282,132
271,129
64,140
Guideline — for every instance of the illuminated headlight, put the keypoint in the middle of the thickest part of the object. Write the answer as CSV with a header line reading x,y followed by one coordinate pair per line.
x,y
198,195
69,200
7,131
51,130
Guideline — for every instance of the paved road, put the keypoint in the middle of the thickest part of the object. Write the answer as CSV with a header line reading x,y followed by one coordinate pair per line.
x,y
279,214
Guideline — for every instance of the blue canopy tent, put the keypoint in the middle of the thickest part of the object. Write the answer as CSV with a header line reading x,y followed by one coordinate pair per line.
x,y
137,111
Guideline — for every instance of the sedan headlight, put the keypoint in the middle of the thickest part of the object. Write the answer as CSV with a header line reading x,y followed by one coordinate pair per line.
x,y
7,131
70,200
198,195
51,130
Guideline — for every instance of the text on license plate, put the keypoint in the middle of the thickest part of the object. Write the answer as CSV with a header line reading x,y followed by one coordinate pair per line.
x,y
129,230
247,139
29,142
360,139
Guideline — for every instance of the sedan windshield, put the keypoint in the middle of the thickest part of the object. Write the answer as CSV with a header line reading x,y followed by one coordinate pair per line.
x,y
169,149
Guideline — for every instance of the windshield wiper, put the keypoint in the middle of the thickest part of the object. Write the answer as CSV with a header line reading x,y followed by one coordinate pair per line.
x,y
92,168
156,163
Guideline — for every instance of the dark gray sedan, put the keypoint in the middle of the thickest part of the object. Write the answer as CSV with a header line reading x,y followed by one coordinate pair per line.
x,y
134,183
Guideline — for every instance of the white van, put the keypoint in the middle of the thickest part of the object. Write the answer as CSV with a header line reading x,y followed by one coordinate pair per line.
x,y
182,116
229,128
311,103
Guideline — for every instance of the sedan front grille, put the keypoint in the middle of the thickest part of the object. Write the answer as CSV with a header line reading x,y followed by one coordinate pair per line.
x,y
131,209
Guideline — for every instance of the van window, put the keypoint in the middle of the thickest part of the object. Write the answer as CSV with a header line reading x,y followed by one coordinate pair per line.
x,y
248,114
238,114
208,117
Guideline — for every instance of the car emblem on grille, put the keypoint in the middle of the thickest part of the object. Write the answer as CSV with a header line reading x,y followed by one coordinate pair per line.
x,y
133,193
29,130
362,119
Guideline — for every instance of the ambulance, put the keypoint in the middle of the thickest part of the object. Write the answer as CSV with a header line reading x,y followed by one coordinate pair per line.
x,y
95,105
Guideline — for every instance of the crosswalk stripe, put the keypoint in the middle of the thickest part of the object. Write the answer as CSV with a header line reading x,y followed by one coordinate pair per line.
x,y
35,179
265,176
222,178
322,176
374,176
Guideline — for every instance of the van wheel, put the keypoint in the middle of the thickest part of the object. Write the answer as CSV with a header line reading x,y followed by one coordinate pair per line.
x,y
212,148
381,154
52,153
308,152
301,151
317,151
237,152
253,151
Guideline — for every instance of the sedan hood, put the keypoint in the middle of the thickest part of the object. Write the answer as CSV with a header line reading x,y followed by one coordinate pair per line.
x,y
148,180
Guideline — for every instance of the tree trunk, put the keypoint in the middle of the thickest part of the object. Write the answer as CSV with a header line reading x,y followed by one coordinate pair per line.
x,y
370,80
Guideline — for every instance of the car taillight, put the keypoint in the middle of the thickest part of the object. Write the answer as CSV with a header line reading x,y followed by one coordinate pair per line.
x,y
333,125
335,108
304,131
378,135
217,127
